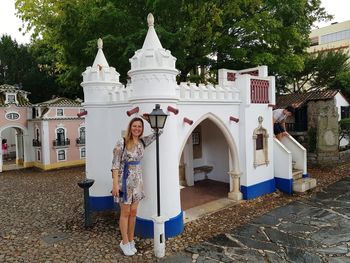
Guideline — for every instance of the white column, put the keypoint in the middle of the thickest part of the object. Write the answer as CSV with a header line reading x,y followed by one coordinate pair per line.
x,y
45,143
235,194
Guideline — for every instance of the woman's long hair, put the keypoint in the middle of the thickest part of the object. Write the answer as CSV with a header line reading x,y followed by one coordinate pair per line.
x,y
129,141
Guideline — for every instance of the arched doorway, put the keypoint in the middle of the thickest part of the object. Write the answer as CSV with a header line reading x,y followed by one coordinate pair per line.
x,y
12,155
207,156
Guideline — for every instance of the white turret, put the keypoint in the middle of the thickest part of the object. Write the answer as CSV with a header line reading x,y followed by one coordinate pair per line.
x,y
99,82
153,80
153,63
100,79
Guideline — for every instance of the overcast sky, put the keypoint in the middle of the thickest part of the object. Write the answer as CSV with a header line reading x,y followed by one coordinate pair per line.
x,y
9,23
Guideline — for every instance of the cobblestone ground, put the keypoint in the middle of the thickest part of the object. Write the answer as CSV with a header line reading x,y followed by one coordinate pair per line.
x,y
41,220
312,230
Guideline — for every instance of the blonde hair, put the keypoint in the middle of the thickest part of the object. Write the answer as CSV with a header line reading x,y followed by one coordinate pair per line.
x,y
129,141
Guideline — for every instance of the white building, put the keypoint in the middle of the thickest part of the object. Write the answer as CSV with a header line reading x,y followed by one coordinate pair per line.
x,y
231,123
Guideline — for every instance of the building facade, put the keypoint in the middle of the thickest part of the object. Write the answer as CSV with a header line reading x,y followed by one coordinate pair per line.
x,y
46,135
335,37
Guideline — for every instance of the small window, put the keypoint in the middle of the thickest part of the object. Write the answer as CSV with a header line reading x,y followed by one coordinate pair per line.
x,y
82,152
314,41
344,112
12,116
38,155
11,98
59,112
82,133
61,155
196,138
61,137
259,142
37,134
231,76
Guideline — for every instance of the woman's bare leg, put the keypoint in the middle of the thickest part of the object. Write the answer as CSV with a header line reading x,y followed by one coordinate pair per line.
x,y
124,221
132,221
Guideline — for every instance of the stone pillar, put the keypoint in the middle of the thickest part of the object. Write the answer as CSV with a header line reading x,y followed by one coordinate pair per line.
x,y
235,194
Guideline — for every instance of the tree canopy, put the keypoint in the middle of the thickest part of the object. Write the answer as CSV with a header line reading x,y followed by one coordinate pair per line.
x,y
22,66
322,70
208,34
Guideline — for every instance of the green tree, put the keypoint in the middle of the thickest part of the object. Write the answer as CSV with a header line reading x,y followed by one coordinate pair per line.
x,y
323,70
201,34
19,66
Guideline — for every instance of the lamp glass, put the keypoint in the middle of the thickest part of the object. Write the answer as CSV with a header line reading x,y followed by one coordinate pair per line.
x,y
153,121
157,118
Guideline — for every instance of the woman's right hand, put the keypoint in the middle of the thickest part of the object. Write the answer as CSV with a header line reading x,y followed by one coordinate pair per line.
x,y
115,190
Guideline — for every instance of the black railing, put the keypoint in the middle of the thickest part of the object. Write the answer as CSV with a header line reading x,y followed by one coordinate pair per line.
x,y
80,141
36,143
61,142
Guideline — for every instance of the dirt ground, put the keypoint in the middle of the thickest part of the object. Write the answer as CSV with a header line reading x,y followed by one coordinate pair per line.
x,y
36,206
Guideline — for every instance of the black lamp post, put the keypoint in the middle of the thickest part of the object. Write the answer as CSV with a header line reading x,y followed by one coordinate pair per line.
x,y
157,119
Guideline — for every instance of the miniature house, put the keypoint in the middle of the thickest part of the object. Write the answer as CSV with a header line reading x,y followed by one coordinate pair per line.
x,y
46,135
221,132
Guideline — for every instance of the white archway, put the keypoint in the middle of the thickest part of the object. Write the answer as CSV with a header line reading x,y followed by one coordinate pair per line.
x,y
21,144
234,160
196,170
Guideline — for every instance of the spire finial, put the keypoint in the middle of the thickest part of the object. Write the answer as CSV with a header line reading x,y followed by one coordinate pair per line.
x,y
150,20
99,43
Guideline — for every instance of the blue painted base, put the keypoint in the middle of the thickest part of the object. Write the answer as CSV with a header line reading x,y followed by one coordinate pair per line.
x,y
263,188
173,227
305,175
101,203
284,185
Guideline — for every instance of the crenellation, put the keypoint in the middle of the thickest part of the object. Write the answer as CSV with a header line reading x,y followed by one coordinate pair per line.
x,y
191,91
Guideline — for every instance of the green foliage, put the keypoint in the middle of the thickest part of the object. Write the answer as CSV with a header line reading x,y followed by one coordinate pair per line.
x,y
322,70
23,66
342,82
201,34
312,139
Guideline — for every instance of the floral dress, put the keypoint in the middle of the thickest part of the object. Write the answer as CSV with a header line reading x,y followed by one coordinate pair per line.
x,y
129,167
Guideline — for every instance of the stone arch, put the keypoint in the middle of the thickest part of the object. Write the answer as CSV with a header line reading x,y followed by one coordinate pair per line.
x,y
227,134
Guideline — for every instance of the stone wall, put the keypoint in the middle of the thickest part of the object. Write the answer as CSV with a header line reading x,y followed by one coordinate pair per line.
x,y
323,117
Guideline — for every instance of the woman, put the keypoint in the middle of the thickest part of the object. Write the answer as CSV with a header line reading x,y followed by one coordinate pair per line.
x,y
127,180
4,148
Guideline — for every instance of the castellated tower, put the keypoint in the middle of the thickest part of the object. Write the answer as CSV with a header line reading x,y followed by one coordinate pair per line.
x,y
153,81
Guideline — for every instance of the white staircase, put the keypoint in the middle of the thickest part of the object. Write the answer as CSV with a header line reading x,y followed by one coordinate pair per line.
x,y
301,184
291,163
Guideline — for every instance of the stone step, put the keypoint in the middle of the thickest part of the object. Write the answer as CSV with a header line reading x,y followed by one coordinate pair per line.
x,y
297,174
304,184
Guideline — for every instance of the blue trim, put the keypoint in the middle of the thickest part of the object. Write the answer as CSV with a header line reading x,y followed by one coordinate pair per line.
x,y
305,175
173,227
250,192
100,203
284,185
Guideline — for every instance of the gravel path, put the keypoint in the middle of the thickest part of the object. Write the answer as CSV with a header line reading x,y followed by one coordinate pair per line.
x,y
41,219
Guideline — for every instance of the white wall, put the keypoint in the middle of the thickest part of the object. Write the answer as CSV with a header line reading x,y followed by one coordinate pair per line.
x,y
339,102
249,114
101,138
215,151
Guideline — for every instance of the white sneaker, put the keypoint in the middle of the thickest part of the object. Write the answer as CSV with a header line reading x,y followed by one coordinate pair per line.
x,y
126,249
132,246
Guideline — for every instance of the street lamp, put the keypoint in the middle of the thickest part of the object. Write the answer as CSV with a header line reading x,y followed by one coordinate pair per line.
x,y
157,119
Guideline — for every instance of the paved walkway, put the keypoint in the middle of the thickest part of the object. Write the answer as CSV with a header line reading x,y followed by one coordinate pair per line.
x,y
311,230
